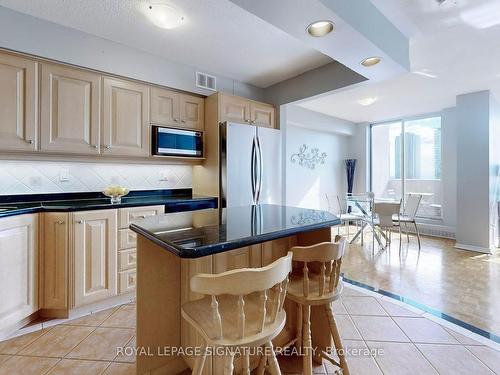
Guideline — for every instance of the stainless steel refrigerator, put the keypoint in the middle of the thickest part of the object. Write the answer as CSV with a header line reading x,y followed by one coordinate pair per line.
x,y
250,165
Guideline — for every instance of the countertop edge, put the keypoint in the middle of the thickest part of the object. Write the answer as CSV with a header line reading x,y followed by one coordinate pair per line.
x,y
39,207
231,245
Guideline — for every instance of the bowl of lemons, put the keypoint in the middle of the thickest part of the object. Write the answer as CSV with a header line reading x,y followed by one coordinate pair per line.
x,y
115,193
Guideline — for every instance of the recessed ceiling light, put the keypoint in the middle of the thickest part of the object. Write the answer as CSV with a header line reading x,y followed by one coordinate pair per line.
x,y
320,28
165,16
368,101
371,61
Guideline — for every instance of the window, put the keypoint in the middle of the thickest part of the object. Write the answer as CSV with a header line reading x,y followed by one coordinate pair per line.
x,y
406,158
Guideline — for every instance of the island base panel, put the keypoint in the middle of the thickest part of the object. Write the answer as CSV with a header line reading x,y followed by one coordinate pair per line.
x,y
163,285
158,309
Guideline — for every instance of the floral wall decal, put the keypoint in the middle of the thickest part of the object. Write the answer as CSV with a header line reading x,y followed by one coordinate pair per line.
x,y
308,159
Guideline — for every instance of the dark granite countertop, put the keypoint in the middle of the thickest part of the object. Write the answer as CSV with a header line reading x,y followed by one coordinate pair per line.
x,y
174,201
209,231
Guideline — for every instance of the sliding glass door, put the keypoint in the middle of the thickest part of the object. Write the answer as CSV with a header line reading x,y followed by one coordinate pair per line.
x,y
406,158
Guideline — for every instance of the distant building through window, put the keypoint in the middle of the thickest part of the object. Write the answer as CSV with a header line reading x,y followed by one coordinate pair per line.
x,y
406,158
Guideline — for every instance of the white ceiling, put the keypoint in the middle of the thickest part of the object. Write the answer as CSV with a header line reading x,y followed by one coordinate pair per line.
x,y
458,43
217,36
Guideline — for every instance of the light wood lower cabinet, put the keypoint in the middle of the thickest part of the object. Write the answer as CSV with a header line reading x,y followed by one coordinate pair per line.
x,y
54,260
18,268
130,215
18,98
245,257
95,256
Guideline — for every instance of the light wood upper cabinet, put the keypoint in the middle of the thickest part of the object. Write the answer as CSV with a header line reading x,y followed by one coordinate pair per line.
x,y
95,256
18,268
18,102
262,114
234,108
171,108
165,107
54,261
192,109
70,100
125,118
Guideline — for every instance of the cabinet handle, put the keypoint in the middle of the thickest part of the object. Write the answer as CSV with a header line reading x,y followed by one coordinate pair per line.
x,y
60,222
176,119
252,122
107,147
30,141
183,121
79,221
94,146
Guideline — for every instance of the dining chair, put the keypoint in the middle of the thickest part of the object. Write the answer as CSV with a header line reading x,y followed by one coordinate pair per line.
x,y
409,215
347,217
317,289
241,309
383,220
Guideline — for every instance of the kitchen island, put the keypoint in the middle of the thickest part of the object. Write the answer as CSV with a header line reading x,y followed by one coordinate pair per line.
x,y
172,248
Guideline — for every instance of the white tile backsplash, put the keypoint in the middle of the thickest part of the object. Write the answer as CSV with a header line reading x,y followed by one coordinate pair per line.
x,y
30,177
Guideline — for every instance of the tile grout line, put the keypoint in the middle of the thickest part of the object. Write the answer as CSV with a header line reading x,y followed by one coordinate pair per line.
x,y
479,359
415,346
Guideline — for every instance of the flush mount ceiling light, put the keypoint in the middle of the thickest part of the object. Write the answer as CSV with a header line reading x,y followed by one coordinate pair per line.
x,y
165,16
371,61
320,28
367,101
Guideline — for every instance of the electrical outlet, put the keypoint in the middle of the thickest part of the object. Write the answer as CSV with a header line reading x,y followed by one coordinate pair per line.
x,y
163,176
64,175
35,181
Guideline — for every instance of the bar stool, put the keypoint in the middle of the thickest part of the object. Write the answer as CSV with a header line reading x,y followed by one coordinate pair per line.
x,y
242,310
318,289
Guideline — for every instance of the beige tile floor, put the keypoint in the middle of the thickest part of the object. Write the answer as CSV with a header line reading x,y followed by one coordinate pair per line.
x,y
408,342
462,284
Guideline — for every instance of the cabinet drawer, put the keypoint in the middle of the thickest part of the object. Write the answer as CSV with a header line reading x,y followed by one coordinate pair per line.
x,y
126,239
127,259
126,281
128,216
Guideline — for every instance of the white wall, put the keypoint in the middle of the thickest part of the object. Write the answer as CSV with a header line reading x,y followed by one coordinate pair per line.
x,y
23,33
473,184
30,177
306,187
494,169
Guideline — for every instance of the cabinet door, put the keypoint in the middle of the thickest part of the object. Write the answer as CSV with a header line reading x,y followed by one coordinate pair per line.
x,y
192,112
70,100
18,268
273,250
262,114
54,264
245,257
126,118
165,107
233,108
95,256
18,82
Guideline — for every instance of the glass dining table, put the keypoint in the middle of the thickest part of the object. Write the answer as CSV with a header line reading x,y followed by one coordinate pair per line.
x,y
362,205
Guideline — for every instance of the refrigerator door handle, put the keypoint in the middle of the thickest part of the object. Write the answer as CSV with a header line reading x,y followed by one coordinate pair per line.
x,y
260,170
253,171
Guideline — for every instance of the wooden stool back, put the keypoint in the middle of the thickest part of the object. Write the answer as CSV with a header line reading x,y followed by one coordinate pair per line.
x,y
329,255
272,278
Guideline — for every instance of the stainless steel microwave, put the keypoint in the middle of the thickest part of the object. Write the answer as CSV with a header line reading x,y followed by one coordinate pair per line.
x,y
176,142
